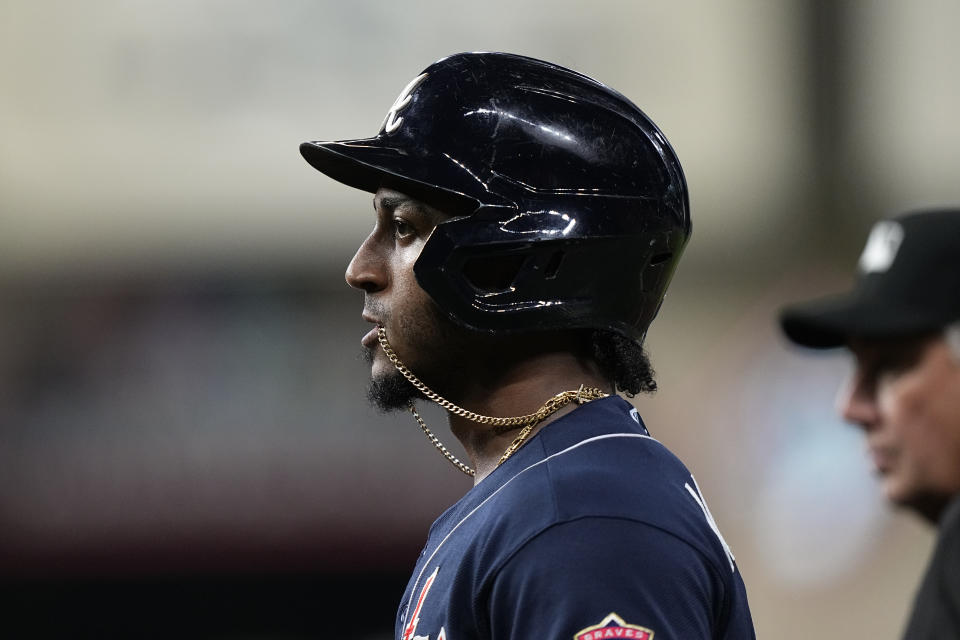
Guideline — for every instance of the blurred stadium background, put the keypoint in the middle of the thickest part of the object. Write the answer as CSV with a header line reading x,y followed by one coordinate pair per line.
x,y
185,448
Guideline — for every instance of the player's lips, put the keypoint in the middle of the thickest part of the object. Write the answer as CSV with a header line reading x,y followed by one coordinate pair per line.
x,y
370,339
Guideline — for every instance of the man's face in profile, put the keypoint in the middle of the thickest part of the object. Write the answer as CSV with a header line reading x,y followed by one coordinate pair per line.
x,y
905,395
418,331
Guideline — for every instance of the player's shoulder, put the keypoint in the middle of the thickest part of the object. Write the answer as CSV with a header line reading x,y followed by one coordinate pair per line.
x,y
606,460
603,463
635,479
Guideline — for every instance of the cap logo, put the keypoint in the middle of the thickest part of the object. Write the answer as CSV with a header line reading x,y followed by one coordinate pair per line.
x,y
882,246
392,122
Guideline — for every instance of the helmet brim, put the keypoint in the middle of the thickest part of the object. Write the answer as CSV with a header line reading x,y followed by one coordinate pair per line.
x,y
368,164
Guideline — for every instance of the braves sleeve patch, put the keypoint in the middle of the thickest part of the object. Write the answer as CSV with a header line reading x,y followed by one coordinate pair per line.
x,y
613,626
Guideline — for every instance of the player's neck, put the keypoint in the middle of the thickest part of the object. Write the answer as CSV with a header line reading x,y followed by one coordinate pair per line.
x,y
518,390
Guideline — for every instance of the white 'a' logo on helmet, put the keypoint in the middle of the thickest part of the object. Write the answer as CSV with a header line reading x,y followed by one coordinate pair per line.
x,y
392,121
882,246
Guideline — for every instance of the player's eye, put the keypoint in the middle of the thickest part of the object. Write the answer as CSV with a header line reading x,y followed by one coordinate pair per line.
x,y
402,230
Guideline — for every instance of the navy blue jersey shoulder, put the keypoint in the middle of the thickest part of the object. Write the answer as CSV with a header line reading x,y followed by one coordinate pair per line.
x,y
592,530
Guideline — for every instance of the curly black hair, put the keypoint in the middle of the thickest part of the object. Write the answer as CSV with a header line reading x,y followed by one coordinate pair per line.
x,y
623,362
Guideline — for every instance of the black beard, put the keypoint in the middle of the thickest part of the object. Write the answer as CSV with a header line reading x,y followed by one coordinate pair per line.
x,y
431,328
390,392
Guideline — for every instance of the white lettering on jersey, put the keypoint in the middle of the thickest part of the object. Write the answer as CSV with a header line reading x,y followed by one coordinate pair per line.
x,y
882,246
702,503
392,121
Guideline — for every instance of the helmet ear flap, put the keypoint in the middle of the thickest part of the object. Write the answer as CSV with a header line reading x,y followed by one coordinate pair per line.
x,y
486,277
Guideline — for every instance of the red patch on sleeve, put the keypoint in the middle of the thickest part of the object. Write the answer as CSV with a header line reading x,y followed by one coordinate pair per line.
x,y
614,627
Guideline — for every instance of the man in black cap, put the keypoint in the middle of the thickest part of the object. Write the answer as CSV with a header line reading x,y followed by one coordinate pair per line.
x,y
902,324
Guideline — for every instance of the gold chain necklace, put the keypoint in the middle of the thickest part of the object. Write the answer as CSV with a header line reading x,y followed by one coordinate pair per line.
x,y
528,422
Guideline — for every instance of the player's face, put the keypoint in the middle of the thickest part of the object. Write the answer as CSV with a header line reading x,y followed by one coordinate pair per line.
x,y
905,395
383,269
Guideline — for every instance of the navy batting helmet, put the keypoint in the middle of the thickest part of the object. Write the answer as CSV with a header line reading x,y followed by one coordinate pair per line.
x,y
570,208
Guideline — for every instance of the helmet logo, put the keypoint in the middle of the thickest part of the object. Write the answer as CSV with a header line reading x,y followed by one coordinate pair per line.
x,y
392,121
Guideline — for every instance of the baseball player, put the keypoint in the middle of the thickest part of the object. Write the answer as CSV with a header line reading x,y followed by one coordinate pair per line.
x,y
902,324
527,222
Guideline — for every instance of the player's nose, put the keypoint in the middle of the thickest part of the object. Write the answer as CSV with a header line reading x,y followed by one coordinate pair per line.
x,y
367,271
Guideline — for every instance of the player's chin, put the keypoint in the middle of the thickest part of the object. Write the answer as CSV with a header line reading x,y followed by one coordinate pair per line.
x,y
380,366
389,391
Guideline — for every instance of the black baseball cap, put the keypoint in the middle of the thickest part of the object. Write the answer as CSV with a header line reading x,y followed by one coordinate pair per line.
x,y
908,282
